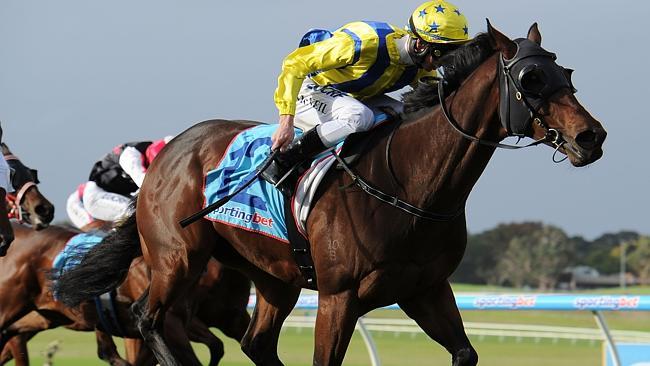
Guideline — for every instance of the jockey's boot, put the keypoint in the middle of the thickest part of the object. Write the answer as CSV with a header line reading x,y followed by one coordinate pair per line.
x,y
305,147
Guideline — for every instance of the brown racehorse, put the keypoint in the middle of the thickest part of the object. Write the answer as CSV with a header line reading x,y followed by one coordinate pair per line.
x,y
215,284
367,253
31,307
25,203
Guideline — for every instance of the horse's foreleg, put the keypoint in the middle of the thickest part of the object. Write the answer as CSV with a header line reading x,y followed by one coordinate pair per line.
x,y
107,351
275,300
16,349
335,321
132,347
235,324
199,332
25,329
436,313
178,340
9,330
14,305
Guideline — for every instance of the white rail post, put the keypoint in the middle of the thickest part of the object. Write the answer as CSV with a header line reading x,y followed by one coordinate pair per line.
x,y
600,320
370,344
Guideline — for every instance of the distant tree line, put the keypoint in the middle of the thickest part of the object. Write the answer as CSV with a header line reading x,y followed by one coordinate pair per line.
x,y
535,255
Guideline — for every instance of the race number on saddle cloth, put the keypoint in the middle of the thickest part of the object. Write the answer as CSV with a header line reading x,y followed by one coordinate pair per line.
x,y
260,207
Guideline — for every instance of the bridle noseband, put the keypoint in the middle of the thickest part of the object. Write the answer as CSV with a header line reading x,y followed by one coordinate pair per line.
x,y
526,82
22,179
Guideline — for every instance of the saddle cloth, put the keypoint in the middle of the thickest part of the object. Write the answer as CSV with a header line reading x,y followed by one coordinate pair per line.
x,y
260,207
75,249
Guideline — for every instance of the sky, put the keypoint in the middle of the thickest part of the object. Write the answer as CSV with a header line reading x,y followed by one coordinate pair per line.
x,y
78,77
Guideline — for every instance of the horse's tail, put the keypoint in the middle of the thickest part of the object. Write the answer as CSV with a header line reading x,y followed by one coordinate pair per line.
x,y
103,268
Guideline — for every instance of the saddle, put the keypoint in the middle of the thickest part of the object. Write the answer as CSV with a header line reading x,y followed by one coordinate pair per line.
x,y
355,146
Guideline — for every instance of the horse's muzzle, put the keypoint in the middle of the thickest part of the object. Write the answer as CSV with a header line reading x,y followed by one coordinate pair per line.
x,y
586,147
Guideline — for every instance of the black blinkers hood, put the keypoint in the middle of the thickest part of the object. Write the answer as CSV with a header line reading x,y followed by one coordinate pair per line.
x,y
519,104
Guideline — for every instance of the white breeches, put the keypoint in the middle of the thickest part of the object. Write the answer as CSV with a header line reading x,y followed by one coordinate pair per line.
x,y
104,205
336,113
77,212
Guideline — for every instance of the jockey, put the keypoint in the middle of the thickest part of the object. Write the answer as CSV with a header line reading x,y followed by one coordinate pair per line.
x,y
112,182
332,84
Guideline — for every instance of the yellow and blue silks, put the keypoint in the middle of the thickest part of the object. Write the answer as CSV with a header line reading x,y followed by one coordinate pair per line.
x,y
361,59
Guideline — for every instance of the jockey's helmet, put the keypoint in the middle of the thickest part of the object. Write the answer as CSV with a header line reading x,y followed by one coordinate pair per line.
x,y
439,22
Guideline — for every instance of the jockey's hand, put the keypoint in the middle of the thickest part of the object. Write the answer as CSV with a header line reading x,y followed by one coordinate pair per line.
x,y
284,135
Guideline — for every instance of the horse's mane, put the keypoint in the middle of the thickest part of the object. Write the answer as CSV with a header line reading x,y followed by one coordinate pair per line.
x,y
459,64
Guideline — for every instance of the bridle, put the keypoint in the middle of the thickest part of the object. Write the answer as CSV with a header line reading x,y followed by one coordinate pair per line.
x,y
536,78
22,179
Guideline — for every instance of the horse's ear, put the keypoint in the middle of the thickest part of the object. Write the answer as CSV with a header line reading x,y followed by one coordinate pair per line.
x,y
5,149
534,35
501,42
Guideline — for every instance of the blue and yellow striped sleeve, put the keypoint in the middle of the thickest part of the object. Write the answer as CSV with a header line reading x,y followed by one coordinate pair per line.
x,y
331,53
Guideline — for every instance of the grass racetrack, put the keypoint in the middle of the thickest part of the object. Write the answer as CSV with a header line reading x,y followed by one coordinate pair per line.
x,y
396,349
77,349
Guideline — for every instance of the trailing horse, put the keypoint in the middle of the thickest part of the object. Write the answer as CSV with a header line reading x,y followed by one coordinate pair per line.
x,y
31,308
367,252
25,202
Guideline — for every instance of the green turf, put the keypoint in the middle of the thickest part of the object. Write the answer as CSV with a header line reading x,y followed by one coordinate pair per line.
x,y
296,345
395,349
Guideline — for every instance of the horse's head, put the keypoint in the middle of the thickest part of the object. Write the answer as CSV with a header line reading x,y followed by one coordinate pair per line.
x,y
26,204
537,99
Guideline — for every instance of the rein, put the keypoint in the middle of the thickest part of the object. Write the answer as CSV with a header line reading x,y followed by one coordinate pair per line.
x,y
526,82
527,51
552,135
393,200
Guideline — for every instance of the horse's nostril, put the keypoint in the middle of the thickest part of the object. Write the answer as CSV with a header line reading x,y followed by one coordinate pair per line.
x,y
43,210
588,139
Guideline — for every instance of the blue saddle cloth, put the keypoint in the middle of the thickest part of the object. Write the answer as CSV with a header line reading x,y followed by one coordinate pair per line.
x,y
258,208
75,249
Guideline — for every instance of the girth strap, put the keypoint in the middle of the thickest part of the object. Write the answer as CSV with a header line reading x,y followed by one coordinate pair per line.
x,y
299,247
107,313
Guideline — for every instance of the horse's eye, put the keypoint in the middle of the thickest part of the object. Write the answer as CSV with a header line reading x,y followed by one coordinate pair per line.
x,y
533,81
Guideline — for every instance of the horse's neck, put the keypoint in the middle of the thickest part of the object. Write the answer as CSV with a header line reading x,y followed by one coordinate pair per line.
x,y
443,166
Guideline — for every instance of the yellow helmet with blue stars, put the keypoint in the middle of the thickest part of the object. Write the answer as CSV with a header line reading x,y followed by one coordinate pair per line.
x,y
439,22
